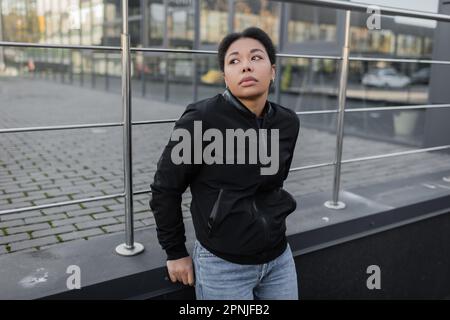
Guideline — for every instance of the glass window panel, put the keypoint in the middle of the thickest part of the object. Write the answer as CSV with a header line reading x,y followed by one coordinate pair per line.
x,y
156,22
308,23
261,13
213,21
180,23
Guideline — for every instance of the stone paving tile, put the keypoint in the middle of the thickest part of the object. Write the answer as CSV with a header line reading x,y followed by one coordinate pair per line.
x,y
27,228
81,234
14,238
72,221
53,231
15,246
47,218
12,223
121,227
96,223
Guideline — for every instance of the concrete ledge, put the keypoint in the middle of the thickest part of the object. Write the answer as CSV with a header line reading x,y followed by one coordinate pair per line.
x,y
312,228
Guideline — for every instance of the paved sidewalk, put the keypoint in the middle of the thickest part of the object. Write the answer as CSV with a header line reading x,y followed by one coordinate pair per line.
x,y
44,167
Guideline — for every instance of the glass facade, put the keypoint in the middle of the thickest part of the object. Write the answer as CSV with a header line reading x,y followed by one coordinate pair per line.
x,y
172,24
261,13
213,21
308,23
155,27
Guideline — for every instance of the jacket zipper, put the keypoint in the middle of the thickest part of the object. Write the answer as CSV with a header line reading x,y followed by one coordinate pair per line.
x,y
213,214
260,216
262,123
264,222
264,138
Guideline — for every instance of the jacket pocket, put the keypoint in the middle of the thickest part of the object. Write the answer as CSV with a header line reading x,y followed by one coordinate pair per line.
x,y
213,214
275,206
278,202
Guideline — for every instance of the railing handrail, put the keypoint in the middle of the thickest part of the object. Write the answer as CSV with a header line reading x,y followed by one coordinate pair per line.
x,y
214,52
60,204
362,7
160,121
405,60
313,166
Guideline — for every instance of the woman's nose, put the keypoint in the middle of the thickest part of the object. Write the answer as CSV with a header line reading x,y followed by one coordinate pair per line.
x,y
247,67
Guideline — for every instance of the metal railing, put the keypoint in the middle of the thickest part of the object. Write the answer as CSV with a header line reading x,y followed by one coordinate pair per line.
x,y
130,247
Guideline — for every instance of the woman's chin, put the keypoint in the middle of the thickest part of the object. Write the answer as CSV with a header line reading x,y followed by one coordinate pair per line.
x,y
249,92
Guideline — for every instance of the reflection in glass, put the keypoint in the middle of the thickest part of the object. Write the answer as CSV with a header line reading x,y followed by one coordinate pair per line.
x,y
156,22
213,21
260,13
180,24
308,23
394,39
309,84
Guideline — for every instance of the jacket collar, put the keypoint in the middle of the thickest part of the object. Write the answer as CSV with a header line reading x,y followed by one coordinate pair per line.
x,y
267,112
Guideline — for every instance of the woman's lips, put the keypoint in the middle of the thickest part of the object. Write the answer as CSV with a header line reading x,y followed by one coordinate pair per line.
x,y
248,83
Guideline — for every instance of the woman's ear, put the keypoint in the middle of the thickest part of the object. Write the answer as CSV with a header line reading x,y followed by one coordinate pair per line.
x,y
224,80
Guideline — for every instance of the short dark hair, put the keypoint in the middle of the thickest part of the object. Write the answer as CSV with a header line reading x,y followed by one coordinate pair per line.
x,y
252,32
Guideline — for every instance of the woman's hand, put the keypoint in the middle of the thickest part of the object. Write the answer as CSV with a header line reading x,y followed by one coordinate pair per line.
x,y
181,270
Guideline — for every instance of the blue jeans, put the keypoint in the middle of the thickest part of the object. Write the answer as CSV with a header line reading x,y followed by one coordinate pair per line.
x,y
219,279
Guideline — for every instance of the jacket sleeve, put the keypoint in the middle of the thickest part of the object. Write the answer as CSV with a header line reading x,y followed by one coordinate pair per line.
x,y
169,183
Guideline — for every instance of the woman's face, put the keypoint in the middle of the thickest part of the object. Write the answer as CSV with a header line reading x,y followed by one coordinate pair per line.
x,y
247,57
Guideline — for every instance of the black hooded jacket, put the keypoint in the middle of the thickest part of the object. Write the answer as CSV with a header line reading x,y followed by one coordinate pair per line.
x,y
238,213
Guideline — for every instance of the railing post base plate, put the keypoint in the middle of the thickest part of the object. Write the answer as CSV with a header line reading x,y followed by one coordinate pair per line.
x,y
124,250
332,205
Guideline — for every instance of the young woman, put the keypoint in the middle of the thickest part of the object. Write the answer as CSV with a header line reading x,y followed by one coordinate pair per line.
x,y
234,151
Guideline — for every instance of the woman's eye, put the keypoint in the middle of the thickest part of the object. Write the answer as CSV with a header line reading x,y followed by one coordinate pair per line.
x,y
231,61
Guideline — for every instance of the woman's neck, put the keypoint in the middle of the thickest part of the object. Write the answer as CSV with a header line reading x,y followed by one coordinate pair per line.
x,y
255,105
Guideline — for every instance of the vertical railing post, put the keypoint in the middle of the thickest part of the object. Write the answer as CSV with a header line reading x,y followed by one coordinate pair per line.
x,y
144,40
279,66
129,248
195,67
80,17
106,52
166,45
62,53
2,48
91,39
335,203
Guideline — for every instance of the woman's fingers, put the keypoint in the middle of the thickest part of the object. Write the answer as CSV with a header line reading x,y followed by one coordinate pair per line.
x,y
181,270
191,277
184,277
172,277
